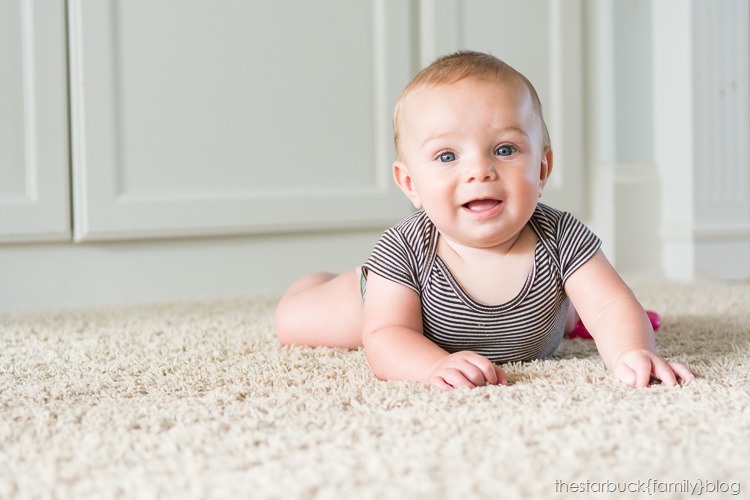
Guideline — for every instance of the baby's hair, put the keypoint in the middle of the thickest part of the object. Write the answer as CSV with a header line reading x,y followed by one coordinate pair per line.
x,y
465,64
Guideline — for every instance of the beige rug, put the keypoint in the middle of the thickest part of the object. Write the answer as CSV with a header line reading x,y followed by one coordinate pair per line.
x,y
198,401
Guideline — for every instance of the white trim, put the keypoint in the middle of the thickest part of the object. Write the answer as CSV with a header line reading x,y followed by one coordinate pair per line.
x,y
28,64
684,234
565,116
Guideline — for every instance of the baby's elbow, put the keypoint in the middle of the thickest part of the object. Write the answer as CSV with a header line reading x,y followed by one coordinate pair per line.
x,y
377,367
375,355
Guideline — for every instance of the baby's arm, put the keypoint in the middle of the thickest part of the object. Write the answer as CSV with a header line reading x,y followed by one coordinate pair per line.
x,y
397,350
619,325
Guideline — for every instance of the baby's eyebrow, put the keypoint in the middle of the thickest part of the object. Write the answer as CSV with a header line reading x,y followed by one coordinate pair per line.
x,y
515,129
499,131
432,138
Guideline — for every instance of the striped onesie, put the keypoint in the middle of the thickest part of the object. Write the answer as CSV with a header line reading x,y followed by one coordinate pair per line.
x,y
528,326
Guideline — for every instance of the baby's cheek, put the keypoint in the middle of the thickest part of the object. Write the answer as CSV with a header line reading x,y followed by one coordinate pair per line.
x,y
445,192
435,194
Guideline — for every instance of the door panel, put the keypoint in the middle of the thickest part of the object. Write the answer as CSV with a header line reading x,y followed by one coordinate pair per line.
x,y
34,194
196,118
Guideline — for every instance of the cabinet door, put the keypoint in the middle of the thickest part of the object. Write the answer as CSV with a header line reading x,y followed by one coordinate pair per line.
x,y
195,118
34,193
542,40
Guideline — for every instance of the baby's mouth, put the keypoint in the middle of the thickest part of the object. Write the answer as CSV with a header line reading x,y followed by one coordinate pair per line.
x,y
482,205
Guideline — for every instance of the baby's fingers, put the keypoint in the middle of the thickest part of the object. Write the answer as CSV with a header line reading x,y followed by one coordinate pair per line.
x,y
625,374
440,383
683,372
456,378
642,366
487,370
634,369
501,379
663,371
476,368
637,367
672,372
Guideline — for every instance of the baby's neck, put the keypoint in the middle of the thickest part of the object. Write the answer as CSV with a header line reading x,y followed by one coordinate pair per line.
x,y
514,246
494,275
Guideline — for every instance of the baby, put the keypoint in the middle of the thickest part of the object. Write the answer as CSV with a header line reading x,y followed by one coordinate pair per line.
x,y
482,273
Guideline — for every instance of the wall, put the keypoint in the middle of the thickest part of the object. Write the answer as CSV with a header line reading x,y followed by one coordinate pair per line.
x,y
188,150
99,204
669,135
207,159
702,129
625,183
64,275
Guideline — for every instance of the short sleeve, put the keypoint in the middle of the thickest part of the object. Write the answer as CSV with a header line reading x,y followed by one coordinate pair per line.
x,y
576,244
393,259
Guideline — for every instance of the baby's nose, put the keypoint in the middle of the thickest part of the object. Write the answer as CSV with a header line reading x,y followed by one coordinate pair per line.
x,y
481,170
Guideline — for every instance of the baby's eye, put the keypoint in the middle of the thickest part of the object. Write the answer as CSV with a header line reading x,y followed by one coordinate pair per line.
x,y
446,157
505,150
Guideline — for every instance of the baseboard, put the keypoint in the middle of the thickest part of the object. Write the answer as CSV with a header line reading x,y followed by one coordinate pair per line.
x,y
66,275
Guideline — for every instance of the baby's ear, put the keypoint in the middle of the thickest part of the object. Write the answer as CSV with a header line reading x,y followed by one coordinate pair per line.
x,y
545,168
405,182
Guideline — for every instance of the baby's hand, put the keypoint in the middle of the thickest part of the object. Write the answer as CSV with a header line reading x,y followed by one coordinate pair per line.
x,y
636,367
465,369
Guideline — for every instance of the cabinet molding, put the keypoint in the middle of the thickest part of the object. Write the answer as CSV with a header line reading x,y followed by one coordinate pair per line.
x,y
116,100
34,194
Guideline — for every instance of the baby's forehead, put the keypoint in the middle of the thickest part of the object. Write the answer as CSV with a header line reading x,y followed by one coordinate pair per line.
x,y
416,113
500,81
423,95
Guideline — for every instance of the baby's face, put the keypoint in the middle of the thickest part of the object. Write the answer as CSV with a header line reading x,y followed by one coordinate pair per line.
x,y
472,155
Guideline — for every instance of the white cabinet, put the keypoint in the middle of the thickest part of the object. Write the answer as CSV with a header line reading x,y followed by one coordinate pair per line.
x,y
195,117
34,172
124,124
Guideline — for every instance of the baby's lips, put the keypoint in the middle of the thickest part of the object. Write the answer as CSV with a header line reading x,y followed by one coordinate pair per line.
x,y
483,204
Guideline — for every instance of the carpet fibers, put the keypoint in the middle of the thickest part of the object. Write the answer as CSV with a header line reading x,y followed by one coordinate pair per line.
x,y
197,400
